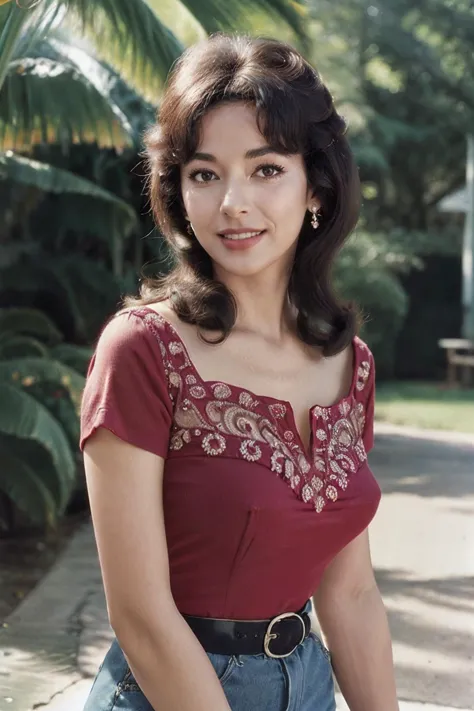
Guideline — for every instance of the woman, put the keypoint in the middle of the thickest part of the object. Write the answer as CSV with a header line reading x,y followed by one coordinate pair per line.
x,y
228,412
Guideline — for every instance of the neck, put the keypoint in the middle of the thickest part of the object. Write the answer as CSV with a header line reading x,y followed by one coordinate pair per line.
x,y
262,304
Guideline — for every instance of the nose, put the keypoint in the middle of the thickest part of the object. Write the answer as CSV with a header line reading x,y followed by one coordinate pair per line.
x,y
235,201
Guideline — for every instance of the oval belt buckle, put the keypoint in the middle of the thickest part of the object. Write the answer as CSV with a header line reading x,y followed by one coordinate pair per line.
x,y
269,635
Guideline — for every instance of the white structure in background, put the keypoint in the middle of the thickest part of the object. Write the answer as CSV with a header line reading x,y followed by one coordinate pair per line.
x,y
463,201
460,352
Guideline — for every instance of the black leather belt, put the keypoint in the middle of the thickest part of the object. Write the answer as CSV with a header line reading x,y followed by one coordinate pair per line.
x,y
277,638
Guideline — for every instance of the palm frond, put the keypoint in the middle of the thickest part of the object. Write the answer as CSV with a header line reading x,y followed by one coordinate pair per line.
x,y
44,369
33,109
131,37
28,322
228,15
22,483
31,18
97,292
47,178
12,20
21,347
77,357
131,108
23,417
33,279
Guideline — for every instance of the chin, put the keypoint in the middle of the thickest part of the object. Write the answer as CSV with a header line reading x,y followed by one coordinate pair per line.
x,y
249,268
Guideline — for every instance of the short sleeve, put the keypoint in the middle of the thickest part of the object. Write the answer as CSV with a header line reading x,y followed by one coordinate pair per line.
x,y
126,387
368,435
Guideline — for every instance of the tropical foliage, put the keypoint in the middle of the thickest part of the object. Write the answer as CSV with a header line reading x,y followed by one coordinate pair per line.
x,y
405,84
40,398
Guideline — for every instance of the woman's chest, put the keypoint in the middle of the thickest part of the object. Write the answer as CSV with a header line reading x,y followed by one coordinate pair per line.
x,y
214,421
295,377
223,420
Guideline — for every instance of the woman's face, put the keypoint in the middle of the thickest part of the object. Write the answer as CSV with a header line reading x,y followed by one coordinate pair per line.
x,y
246,203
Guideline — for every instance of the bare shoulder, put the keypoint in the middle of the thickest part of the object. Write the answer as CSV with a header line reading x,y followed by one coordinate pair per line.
x,y
187,332
342,364
164,309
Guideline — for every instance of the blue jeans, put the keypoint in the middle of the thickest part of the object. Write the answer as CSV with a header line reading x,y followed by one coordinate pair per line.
x,y
251,682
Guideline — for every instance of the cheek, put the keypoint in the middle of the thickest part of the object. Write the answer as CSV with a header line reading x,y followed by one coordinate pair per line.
x,y
200,203
286,200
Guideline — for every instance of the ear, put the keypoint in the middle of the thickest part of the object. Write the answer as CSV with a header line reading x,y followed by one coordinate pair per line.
x,y
312,201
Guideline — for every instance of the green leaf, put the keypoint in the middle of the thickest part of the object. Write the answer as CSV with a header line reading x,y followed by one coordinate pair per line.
x,y
97,292
50,179
37,279
134,112
21,347
21,482
29,322
76,357
12,20
132,38
33,110
24,417
38,369
52,383
216,15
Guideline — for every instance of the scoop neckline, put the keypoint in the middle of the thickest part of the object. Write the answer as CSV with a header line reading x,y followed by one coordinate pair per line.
x,y
256,396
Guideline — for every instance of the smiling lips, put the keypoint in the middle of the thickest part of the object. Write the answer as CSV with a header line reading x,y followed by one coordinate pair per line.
x,y
240,239
240,233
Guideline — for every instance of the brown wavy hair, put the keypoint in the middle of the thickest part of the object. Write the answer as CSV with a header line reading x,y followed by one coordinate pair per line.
x,y
296,114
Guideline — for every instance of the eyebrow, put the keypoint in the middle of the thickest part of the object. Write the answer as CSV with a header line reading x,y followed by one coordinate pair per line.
x,y
252,153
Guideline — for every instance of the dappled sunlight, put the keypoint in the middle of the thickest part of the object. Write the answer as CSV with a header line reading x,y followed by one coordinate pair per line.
x,y
423,466
432,631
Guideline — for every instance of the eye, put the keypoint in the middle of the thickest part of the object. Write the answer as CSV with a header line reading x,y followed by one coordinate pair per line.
x,y
270,170
202,176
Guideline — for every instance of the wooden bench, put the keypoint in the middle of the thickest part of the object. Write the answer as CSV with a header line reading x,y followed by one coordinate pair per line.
x,y
460,353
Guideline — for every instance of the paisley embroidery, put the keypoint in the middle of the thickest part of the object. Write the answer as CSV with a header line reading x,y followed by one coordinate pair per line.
x,y
277,462
250,450
342,454
260,429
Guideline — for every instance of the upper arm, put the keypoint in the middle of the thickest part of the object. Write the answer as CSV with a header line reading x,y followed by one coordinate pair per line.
x,y
126,389
125,491
349,574
126,419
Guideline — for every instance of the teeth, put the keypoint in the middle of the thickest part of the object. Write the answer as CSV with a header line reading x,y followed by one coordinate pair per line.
x,y
242,235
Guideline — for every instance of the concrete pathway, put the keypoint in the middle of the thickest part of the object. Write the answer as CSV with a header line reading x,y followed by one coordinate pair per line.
x,y
422,543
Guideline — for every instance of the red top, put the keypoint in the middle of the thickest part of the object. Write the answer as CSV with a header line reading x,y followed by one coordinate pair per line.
x,y
251,518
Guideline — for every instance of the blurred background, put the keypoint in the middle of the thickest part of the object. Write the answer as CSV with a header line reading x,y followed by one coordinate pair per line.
x,y
79,83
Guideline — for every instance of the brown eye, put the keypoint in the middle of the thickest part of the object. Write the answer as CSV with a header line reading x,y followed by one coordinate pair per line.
x,y
202,176
269,170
